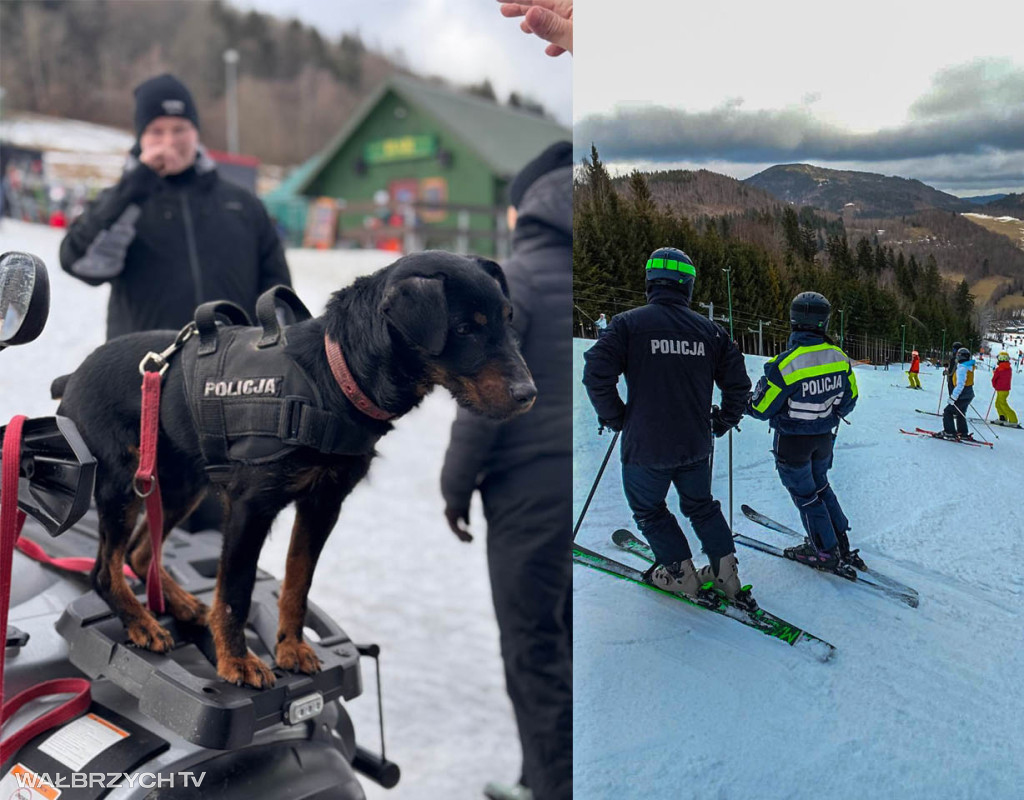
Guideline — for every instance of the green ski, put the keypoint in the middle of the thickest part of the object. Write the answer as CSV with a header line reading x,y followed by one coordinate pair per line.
x,y
761,620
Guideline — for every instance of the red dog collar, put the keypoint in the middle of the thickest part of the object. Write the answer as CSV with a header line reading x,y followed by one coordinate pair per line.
x,y
344,378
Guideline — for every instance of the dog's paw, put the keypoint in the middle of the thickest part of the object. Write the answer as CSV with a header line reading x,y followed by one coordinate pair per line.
x,y
188,608
148,633
297,657
246,671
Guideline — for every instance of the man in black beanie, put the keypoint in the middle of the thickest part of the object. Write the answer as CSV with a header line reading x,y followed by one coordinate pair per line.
x,y
523,470
171,234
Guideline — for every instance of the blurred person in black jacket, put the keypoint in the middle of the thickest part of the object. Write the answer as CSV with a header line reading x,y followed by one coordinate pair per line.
x,y
523,470
171,234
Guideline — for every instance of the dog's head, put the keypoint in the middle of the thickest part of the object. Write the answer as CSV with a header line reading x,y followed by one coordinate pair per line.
x,y
455,313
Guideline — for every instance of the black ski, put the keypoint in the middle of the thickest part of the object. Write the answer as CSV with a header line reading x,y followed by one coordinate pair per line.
x,y
868,577
759,619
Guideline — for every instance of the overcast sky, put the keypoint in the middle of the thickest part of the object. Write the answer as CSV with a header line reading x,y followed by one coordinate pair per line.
x,y
875,85
464,41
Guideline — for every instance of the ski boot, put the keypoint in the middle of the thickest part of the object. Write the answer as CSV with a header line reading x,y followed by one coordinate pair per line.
x,y
967,437
848,556
725,581
807,553
505,791
679,577
945,435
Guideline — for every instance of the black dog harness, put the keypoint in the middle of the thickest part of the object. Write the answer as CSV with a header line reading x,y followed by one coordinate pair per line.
x,y
251,402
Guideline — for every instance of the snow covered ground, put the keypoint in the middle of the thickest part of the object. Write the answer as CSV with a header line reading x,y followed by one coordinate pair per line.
x,y
672,702
391,573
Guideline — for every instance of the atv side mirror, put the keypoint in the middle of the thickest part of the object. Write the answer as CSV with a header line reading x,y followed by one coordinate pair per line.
x,y
24,298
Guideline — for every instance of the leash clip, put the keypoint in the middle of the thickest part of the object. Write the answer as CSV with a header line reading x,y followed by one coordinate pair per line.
x,y
153,362
159,362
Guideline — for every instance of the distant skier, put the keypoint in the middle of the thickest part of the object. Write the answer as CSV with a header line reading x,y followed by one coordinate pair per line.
x,y
1002,377
804,393
915,368
1020,360
600,325
961,394
672,358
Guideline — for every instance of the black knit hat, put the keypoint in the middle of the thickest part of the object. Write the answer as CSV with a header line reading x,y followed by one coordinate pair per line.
x,y
555,157
163,96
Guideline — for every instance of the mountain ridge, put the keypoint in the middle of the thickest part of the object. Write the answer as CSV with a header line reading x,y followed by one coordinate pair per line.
x,y
866,194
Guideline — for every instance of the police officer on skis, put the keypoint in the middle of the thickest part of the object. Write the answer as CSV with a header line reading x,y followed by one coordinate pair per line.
x,y
672,358
804,393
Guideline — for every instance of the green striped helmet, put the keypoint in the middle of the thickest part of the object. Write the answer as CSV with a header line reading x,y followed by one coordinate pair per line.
x,y
671,264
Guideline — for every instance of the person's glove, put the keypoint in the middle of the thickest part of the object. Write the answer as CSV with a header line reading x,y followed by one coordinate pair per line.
x,y
611,424
719,427
455,516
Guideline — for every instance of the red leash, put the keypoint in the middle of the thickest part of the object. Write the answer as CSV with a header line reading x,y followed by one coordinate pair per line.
x,y
11,520
68,564
148,487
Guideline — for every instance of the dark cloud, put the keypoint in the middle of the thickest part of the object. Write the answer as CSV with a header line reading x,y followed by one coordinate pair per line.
x,y
966,112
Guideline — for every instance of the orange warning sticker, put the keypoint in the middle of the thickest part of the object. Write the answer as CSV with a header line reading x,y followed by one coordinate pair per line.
x,y
21,783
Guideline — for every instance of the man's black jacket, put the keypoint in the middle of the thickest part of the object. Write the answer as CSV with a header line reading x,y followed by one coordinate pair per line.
x,y
181,240
539,276
672,357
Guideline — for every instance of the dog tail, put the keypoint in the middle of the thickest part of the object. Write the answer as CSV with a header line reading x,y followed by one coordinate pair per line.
x,y
57,387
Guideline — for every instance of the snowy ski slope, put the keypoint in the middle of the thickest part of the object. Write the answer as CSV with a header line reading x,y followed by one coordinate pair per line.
x,y
671,702
404,581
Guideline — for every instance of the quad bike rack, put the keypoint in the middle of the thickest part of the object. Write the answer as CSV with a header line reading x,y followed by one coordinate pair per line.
x,y
181,689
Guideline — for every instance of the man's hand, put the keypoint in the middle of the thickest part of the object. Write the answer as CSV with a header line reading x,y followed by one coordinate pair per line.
x,y
153,157
163,160
551,20
611,424
719,427
454,517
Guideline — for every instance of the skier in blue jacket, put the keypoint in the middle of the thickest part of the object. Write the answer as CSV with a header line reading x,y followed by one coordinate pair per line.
x,y
804,393
961,394
672,358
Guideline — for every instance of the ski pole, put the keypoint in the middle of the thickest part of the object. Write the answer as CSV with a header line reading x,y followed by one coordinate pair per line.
x,y
991,400
985,421
968,422
593,488
730,481
942,389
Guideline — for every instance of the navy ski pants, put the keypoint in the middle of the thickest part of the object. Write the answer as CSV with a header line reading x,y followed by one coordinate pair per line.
x,y
803,463
646,489
954,421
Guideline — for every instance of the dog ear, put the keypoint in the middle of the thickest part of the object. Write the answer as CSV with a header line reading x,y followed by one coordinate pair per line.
x,y
492,269
417,308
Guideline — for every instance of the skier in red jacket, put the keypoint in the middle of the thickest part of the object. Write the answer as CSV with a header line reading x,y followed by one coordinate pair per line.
x,y
1002,376
915,368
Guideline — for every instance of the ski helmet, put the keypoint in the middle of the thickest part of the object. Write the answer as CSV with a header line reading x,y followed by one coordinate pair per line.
x,y
1003,356
914,353
672,265
809,311
963,354
956,346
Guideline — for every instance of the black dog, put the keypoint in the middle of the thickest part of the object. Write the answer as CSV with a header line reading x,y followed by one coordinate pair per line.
x,y
428,319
